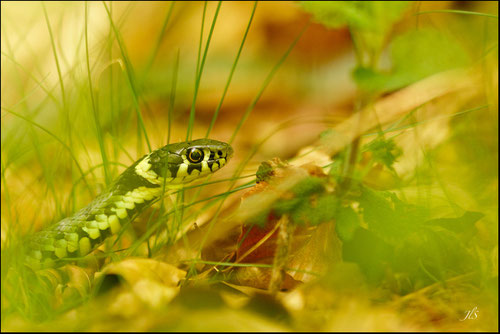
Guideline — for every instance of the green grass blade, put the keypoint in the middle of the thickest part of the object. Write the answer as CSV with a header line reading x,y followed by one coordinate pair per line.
x,y
455,11
65,110
172,96
214,118
32,76
199,73
56,58
130,81
59,140
198,57
100,138
159,40
216,113
239,170
266,83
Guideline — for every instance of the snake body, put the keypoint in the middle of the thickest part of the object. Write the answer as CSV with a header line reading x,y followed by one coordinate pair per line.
x,y
136,188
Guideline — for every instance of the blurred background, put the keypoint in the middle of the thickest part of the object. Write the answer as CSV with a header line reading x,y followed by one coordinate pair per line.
x,y
83,83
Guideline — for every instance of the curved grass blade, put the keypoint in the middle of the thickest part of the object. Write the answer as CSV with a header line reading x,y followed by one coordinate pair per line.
x,y
456,11
216,113
266,83
100,138
199,71
59,140
130,81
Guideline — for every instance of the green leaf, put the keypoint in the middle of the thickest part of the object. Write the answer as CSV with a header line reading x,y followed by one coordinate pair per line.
x,y
335,14
376,16
308,186
384,151
370,252
369,22
415,55
380,215
369,80
325,210
388,217
459,224
303,213
421,53
432,254
285,206
347,221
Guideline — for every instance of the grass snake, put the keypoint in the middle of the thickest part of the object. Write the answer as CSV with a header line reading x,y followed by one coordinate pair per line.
x,y
134,190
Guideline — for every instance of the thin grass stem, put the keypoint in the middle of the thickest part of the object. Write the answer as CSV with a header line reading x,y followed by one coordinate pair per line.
x,y
200,72
233,68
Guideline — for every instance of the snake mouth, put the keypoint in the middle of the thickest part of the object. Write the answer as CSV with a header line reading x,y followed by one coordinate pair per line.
x,y
221,162
224,151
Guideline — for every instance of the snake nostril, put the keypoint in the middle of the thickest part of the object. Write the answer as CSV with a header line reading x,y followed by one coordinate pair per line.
x,y
219,153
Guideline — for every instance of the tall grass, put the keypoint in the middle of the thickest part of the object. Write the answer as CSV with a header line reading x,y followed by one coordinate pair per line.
x,y
71,125
99,126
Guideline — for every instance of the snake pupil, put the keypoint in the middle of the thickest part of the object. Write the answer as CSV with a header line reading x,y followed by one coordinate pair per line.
x,y
195,155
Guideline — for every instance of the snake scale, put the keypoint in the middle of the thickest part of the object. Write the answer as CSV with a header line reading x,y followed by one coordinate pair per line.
x,y
135,189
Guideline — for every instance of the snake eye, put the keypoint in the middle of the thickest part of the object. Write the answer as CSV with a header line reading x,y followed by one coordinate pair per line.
x,y
195,155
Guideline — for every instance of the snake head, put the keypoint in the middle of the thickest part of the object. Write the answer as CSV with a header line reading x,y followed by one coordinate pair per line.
x,y
184,162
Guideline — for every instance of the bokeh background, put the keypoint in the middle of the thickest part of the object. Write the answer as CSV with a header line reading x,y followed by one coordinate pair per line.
x,y
73,85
